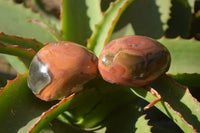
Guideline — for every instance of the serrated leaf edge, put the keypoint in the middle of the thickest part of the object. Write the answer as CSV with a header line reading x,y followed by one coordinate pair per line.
x,y
12,81
176,112
44,117
91,42
30,51
18,37
54,32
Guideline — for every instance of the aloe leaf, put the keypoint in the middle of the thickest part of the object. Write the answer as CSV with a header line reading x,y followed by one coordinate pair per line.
x,y
185,55
40,6
21,26
105,27
164,10
16,63
152,21
124,31
142,125
51,114
98,101
21,47
18,105
17,51
21,42
48,27
177,103
191,80
181,18
78,28
61,127
94,12
90,107
127,119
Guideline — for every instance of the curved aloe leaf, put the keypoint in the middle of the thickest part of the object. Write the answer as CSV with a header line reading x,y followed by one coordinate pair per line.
x,y
21,47
181,18
51,114
177,103
21,42
164,9
185,55
127,119
90,107
15,21
191,80
17,51
94,17
142,125
16,63
40,6
105,27
151,21
18,105
78,27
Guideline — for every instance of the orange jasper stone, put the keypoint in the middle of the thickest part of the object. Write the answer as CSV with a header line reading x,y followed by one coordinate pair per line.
x,y
59,69
133,60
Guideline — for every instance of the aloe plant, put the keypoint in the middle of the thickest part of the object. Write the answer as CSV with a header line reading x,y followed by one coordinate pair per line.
x,y
102,106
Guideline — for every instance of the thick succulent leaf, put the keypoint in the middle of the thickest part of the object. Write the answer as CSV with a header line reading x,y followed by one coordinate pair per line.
x,y
164,10
48,26
18,105
94,12
127,119
52,113
78,19
181,18
16,63
105,27
142,125
21,42
21,47
15,21
90,107
98,101
191,80
17,51
177,103
151,21
185,55
46,10
61,127
124,31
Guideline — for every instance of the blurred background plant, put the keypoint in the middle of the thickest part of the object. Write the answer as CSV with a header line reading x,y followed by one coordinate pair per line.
x,y
102,107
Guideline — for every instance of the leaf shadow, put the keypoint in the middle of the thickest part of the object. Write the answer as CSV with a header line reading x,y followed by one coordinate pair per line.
x,y
177,97
144,17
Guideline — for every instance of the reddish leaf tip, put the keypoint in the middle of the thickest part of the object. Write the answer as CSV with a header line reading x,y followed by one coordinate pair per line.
x,y
11,81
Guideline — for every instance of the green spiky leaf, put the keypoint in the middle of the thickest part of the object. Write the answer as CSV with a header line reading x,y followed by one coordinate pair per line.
x,y
95,103
21,42
104,29
144,17
18,105
185,55
15,21
16,63
181,18
78,28
177,103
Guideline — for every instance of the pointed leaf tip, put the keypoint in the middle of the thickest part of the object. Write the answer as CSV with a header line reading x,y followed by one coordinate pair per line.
x,y
52,113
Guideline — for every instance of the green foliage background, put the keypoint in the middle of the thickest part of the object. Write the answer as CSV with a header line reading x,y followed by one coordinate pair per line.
x,y
101,106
